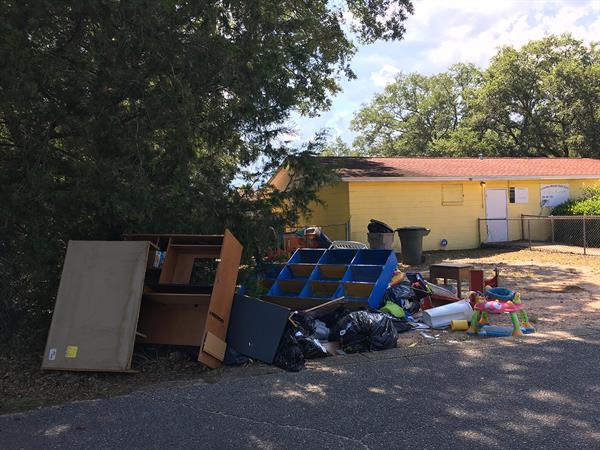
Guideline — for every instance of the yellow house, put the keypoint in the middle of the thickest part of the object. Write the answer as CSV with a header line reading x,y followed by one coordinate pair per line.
x,y
447,195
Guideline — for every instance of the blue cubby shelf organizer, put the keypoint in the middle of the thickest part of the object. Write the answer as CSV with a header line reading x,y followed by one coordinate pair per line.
x,y
318,274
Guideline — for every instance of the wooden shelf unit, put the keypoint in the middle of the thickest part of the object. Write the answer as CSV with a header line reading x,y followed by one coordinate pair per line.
x,y
169,315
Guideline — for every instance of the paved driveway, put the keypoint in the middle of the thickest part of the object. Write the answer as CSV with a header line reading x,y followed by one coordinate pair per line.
x,y
542,393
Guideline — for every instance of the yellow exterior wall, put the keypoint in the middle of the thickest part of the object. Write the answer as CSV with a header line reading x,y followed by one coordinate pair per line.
x,y
407,203
334,214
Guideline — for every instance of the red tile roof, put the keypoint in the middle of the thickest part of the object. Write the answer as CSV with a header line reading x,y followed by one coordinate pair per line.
x,y
364,167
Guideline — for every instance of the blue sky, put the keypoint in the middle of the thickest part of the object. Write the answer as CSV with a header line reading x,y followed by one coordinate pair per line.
x,y
444,32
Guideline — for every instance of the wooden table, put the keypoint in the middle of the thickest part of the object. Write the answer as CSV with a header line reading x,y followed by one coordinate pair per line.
x,y
458,272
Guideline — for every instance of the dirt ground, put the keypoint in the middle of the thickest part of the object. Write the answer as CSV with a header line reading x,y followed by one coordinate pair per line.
x,y
560,292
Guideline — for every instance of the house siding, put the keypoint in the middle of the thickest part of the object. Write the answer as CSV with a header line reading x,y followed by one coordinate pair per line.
x,y
420,203
333,215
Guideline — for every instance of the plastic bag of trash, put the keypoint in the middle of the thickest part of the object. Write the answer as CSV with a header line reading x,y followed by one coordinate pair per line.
x,y
306,323
289,354
311,347
403,296
364,331
321,331
333,321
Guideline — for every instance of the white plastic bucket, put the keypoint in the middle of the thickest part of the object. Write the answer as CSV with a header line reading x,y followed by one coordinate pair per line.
x,y
441,316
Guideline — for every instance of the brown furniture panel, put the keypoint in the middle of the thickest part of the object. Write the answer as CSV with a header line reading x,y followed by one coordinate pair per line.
x,y
222,294
172,324
169,298
97,306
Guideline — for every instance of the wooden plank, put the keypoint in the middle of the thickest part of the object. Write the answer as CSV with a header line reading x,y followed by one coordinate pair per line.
x,y
198,239
325,308
184,266
214,346
324,288
302,270
174,299
292,286
333,271
182,237
177,267
358,289
296,304
222,294
199,251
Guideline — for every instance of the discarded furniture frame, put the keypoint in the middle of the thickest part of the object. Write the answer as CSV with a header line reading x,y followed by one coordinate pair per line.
x,y
314,276
458,272
175,312
111,294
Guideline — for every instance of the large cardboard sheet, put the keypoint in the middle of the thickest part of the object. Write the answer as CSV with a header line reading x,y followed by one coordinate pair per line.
x,y
97,306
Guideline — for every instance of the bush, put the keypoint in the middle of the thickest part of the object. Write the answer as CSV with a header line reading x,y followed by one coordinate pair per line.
x,y
570,231
589,204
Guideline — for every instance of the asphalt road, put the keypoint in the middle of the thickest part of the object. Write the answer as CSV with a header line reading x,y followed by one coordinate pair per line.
x,y
544,393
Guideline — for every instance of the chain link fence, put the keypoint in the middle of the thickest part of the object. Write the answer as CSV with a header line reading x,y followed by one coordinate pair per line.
x,y
564,234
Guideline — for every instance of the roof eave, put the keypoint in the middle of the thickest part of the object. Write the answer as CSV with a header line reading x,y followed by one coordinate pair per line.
x,y
476,178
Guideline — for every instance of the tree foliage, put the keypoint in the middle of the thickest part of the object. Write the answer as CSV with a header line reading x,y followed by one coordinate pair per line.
x,y
416,113
157,116
540,100
588,204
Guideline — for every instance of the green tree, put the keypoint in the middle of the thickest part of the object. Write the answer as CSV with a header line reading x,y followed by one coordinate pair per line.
x,y
417,114
141,115
542,100
338,147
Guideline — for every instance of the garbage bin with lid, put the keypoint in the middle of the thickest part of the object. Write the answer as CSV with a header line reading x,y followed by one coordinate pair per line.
x,y
383,241
411,241
380,235
377,226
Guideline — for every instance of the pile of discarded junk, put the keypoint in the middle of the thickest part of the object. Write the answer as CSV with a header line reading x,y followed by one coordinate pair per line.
x,y
182,291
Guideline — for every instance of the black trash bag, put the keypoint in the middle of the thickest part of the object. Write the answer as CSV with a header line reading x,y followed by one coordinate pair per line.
x,y
289,354
403,296
307,324
400,325
234,358
364,331
333,321
321,331
311,347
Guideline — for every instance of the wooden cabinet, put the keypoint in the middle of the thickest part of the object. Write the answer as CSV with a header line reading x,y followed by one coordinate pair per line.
x,y
176,311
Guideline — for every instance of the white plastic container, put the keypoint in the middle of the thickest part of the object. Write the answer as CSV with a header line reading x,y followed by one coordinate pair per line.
x,y
441,316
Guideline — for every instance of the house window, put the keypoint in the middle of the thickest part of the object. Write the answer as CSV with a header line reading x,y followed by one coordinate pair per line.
x,y
452,194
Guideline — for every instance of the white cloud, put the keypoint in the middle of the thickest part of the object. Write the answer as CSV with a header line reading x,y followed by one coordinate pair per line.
x,y
444,32
385,75
338,122
465,30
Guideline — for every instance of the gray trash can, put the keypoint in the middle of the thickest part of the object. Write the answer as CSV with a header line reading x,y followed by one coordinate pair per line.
x,y
411,240
381,240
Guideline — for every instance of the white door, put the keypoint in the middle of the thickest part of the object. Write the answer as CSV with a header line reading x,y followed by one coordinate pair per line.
x,y
496,209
